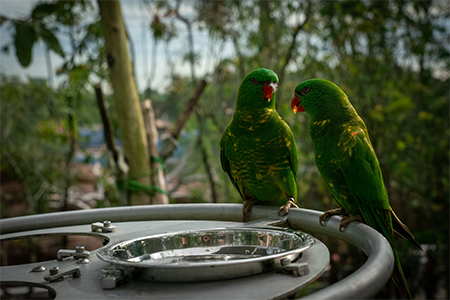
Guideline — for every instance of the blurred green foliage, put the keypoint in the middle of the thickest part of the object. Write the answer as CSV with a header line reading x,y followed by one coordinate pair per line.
x,y
32,140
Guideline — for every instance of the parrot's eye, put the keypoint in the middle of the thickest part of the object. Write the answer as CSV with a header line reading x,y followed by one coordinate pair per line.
x,y
305,90
253,81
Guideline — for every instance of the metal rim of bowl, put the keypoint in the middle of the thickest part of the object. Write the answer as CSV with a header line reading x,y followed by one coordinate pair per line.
x,y
104,253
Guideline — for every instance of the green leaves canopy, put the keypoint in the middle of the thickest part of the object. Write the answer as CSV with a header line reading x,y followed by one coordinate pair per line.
x,y
28,32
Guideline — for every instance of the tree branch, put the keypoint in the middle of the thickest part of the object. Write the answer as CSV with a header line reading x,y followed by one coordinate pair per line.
x,y
205,158
109,136
157,176
292,46
191,56
188,110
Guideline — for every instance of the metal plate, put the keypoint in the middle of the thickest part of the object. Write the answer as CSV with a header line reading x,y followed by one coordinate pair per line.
x,y
266,285
205,255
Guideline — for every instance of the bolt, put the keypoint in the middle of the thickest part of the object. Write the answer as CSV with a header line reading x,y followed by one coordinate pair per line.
x,y
107,223
285,261
303,269
54,270
39,268
79,249
83,260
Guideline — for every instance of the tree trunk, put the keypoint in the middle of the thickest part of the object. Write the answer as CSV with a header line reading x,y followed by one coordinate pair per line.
x,y
157,176
129,113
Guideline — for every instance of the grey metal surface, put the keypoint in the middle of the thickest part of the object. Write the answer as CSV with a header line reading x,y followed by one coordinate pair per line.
x,y
92,285
364,283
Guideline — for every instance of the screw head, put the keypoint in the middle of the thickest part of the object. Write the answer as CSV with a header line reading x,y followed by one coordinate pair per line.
x,y
54,270
79,249
107,223
83,260
39,268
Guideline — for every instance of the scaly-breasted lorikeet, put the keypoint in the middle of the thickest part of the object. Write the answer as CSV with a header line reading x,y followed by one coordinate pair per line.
x,y
347,162
257,150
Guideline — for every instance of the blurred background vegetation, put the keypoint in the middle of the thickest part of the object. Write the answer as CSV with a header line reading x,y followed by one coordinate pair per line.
x,y
390,57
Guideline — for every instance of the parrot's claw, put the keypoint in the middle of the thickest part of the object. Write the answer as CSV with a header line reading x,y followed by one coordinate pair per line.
x,y
285,208
244,217
348,219
332,212
246,209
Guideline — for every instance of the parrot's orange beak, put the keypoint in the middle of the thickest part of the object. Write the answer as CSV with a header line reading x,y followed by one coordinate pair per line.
x,y
268,92
296,105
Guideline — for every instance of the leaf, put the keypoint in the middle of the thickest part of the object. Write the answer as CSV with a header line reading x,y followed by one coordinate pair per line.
x,y
158,28
95,29
425,116
23,41
401,145
402,104
79,73
51,41
3,19
42,10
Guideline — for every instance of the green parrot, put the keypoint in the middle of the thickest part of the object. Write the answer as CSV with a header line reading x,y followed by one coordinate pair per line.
x,y
347,162
258,150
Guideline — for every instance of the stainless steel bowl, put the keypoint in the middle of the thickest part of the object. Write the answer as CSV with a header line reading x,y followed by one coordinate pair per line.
x,y
205,255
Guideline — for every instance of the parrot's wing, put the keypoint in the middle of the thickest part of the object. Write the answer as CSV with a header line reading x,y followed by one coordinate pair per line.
x,y
363,177
292,153
226,163
361,169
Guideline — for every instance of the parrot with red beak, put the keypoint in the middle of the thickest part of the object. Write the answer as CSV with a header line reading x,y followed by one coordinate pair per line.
x,y
258,150
347,162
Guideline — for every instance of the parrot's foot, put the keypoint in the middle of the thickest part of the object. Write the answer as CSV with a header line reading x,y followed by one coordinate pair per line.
x,y
332,212
348,219
285,208
246,209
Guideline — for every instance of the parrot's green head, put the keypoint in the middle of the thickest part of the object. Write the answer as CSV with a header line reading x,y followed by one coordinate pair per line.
x,y
317,96
258,90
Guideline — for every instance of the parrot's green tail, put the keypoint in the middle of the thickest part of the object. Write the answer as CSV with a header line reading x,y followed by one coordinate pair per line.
x,y
380,219
403,230
399,278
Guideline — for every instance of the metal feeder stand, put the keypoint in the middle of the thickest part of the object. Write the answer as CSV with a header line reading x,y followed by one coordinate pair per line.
x,y
195,251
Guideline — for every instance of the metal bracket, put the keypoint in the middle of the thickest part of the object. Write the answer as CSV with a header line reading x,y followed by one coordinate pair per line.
x,y
55,275
104,227
110,281
296,269
79,252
